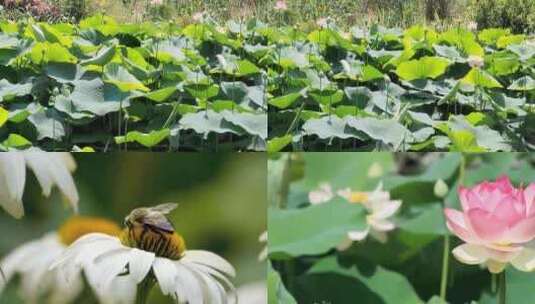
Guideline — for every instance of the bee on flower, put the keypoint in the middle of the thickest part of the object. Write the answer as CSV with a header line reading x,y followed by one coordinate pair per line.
x,y
497,222
150,251
49,168
31,261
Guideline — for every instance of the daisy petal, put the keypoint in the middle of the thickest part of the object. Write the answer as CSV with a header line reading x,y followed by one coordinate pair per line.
x,y
192,288
12,183
165,272
140,263
210,259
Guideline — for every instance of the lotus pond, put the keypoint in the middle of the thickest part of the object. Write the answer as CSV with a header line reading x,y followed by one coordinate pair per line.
x,y
371,228
106,86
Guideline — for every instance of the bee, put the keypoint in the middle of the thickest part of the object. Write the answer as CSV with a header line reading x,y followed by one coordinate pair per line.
x,y
149,229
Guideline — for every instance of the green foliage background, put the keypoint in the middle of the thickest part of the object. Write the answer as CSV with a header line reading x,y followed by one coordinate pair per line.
x,y
222,203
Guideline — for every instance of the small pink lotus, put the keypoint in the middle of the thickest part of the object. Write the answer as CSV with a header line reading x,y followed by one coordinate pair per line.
x,y
198,17
281,5
496,224
322,22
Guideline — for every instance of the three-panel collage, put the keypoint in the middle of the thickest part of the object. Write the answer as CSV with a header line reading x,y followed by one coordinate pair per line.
x,y
267,151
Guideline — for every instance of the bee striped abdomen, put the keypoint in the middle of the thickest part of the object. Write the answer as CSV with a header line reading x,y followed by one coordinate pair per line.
x,y
163,243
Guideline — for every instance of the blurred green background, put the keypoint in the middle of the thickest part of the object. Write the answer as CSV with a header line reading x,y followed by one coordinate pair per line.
x,y
222,203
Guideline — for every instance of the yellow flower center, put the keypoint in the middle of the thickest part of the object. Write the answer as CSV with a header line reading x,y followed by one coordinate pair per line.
x,y
358,197
163,243
78,226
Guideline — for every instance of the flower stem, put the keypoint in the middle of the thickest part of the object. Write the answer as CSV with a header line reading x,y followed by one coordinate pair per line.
x,y
502,290
143,290
445,266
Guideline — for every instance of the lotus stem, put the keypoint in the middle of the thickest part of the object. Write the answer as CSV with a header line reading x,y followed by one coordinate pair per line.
x,y
445,266
502,289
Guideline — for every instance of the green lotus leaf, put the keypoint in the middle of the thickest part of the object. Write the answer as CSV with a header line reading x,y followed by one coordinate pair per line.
x,y
276,144
426,67
525,83
119,76
283,102
478,77
148,140
4,114
44,52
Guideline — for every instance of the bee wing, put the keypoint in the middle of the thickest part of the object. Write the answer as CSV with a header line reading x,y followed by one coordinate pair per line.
x,y
158,221
165,208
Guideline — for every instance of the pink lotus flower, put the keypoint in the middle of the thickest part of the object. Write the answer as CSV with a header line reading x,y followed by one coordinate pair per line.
x,y
322,22
281,5
497,222
198,17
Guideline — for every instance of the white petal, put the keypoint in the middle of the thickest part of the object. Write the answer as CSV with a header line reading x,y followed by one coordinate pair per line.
x,y
122,290
65,293
379,235
255,293
210,259
525,261
140,263
51,169
495,266
263,237
381,224
387,209
39,163
67,159
12,179
192,292
358,235
345,244
213,292
214,273
111,264
263,254
470,254
165,272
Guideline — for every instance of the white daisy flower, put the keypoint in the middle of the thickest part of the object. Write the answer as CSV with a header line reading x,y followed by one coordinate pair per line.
x,y
150,251
49,168
380,208
31,261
